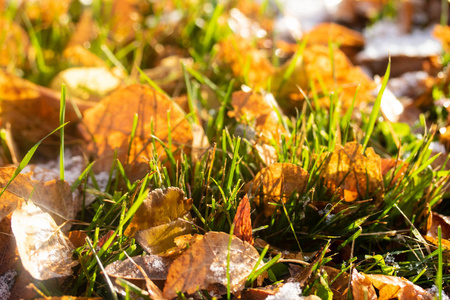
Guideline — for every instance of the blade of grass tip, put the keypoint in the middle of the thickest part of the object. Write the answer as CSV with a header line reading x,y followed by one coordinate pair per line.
x,y
348,115
108,280
267,266
204,80
132,135
233,164
223,107
151,82
28,157
251,277
113,58
190,93
376,106
77,182
439,272
211,28
62,115
228,263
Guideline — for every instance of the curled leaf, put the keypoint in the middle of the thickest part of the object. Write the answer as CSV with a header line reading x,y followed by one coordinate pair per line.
x,y
277,181
243,221
208,257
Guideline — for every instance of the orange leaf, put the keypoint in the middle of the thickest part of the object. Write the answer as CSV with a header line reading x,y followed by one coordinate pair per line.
x,y
108,127
243,222
278,181
208,257
259,110
352,173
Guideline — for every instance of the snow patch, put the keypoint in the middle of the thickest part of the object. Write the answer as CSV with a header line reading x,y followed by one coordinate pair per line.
x,y
6,283
290,290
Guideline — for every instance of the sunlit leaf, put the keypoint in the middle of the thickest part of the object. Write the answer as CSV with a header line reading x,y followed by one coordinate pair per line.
x,y
243,222
208,257
108,127
44,250
352,173
277,181
258,111
14,44
161,206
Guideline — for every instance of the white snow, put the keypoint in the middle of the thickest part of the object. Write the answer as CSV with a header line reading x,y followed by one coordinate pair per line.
x,y
289,291
385,38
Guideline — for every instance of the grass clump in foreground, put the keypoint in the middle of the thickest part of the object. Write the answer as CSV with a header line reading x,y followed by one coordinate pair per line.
x,y
381,231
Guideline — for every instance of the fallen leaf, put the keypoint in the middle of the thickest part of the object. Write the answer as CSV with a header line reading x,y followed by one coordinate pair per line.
x,y
77,238
161,239
390,287
126,16
349,41
442,33
108,125
85,30
44,250
434,221
78,56
46,12
14,44
208,257
395,168
69,298
352,173
260,111
267,153
85,83
8,250
160,207
278,181
53,196
362,287
155,268
33,111
315,67
246,62
243,221
200,143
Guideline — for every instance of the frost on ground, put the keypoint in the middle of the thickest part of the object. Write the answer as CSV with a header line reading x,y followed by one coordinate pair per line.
x,y
435,291
6,283
385,38
290,290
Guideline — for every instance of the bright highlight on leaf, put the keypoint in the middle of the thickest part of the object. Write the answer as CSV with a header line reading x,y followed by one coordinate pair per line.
x,y
351,173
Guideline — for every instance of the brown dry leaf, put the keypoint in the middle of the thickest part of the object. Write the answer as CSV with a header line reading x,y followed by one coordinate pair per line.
x,y
243,221
245,61
390,287
267,153
160,207
78,56
44,250
8,250
126,16
347,170
362,287
46,12
160,239
278,181
315,67
397,166
208,257
14,44
85,30
77,238
200,143
259,110
32,110
53,196
155,268
434,221
349,41
108,127
442,33
91,83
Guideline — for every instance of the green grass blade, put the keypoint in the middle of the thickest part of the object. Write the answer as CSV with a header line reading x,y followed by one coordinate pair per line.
x,y
28,157
62,114
376,106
